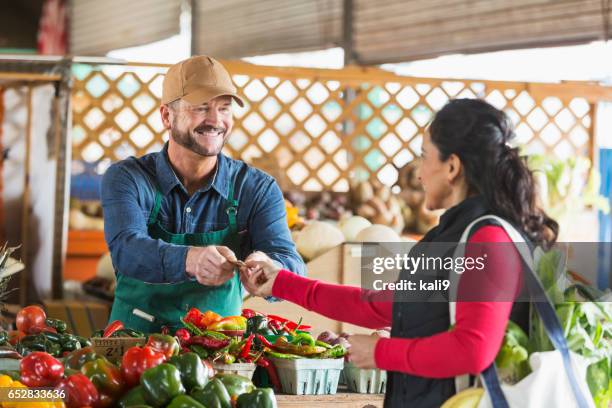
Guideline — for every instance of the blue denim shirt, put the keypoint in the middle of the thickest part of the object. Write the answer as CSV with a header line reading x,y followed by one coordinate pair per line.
x,y
128,196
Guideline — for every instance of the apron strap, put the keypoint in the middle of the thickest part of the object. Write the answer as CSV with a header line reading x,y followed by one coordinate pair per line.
x,y
231,206
156,207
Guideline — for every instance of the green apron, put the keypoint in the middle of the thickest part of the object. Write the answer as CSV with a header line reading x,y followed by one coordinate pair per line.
x,y
149,306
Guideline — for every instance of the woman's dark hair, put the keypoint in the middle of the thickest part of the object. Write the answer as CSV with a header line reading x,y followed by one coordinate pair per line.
x,y
478,134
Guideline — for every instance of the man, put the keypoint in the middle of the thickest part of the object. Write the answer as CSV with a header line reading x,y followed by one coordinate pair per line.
x,y
175,220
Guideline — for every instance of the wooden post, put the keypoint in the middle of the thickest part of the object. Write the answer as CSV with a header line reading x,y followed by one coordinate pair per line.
x,y
25,205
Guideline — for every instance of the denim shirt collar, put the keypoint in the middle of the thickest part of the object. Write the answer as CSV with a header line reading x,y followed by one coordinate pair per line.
x,y
167,179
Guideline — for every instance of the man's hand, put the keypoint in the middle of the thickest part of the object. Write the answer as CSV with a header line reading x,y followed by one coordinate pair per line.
x,y
361,352
258,256
209,265
259,274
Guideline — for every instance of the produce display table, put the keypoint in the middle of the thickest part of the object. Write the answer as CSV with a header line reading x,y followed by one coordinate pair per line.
x,y
340,400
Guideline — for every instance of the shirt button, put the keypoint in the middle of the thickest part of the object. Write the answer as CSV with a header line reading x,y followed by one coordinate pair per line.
x,y
188,210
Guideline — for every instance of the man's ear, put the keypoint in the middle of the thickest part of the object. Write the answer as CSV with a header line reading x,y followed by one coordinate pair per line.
x,y
455,168
166,116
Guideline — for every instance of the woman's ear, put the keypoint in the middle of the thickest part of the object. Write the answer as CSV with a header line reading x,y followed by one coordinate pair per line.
x,y
455,168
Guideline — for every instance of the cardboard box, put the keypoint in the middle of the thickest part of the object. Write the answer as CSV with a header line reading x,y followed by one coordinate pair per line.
x,y
113,348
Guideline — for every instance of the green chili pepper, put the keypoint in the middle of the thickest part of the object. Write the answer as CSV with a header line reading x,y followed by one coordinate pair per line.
x,y
335,352
281,355
85,342
57,324
199,350
303,339
3,337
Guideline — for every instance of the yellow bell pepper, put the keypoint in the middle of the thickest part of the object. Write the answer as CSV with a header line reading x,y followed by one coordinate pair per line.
x,y
6,381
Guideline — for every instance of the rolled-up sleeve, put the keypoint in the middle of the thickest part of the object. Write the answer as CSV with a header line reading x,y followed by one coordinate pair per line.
x,y
269,231
133,252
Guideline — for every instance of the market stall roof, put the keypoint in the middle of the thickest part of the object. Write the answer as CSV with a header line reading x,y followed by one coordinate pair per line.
x,y
394,30
98,27
381,31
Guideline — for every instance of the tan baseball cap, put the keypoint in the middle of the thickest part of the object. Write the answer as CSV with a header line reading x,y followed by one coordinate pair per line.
x,y
197,80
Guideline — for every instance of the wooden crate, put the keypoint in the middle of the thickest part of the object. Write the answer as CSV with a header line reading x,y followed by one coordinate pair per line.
x,y
340,400
83,318
83,253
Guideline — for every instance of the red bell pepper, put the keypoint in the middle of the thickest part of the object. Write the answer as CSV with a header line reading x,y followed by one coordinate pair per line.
x,y
107,379
79,391
136,360
164,343
40,369
199,319
112,327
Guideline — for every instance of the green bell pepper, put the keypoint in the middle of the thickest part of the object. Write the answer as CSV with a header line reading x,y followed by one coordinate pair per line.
x,y
164,343
160,384
78,358
184,401
4,337
236,384
193,372
134,397
260,398
106,377
213,395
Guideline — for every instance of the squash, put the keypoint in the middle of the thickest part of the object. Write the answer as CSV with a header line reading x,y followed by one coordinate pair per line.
x,y
351,226
378,233
318,237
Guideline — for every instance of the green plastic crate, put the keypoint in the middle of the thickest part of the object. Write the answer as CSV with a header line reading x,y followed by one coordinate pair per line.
x,y
364,381
309,376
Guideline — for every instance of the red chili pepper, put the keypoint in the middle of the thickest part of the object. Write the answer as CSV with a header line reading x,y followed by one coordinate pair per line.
x,y
264,341
112,327
248,313
165,330
247,347
183,336
40,369
288,323
271,370
209,342
79,391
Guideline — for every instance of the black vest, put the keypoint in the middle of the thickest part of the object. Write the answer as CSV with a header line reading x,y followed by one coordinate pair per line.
x,y
423,319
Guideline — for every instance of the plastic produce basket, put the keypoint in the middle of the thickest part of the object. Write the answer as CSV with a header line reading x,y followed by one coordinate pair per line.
x,y
243,369
364,381
309,376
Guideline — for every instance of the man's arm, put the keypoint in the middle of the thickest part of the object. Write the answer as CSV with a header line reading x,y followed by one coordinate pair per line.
x,y
133,252
269,231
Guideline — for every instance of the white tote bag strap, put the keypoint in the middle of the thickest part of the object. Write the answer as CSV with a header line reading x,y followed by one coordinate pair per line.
x,y
462,382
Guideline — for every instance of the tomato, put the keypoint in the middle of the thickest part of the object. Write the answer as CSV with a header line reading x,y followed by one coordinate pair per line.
x,y
31,318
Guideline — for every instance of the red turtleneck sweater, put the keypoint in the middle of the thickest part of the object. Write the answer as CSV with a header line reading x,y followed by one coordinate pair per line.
x,y
468,348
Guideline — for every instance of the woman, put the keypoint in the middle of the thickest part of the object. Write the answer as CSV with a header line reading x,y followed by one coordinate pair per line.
x,y
468,169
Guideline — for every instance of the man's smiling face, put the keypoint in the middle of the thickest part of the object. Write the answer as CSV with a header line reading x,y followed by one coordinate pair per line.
x,y
203,129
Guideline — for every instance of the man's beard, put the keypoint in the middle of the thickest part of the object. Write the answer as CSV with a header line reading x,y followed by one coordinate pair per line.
x,y
189,141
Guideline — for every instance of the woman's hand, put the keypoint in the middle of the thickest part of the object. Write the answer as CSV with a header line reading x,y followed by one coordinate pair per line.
x,y
259,274
361,352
